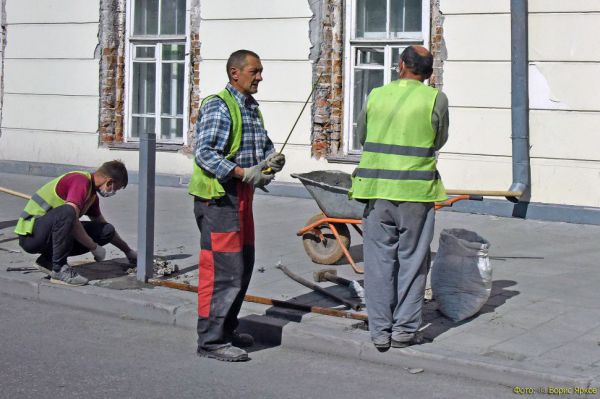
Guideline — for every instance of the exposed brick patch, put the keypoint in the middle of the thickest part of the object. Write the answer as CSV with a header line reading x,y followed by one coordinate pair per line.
x,y
438,45
327,134
111,51
111,38
327,110
194,76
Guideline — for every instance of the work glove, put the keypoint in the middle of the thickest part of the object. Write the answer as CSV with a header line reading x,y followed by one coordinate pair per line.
x,y
255,176
99,253
276,161
131,256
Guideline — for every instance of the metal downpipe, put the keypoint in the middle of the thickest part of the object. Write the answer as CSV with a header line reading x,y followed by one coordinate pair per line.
x,y
520,100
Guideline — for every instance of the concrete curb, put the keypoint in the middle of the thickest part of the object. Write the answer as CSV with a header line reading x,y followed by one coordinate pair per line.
x,y
133,305
320,334
356,345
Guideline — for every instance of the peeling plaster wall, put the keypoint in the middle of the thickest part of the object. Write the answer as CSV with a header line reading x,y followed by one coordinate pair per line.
x,y
287,37
111,53
69,68
564,54
327,134
438,45
315,28
62,78
194,78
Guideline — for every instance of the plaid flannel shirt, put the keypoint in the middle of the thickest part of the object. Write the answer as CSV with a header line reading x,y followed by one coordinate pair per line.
x,y
212,133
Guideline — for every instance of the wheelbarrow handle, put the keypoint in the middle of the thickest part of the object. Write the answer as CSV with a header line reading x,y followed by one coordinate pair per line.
x,y
475,197
449,202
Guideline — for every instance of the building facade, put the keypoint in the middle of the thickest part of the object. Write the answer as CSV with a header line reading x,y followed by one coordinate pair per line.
x,y
82,80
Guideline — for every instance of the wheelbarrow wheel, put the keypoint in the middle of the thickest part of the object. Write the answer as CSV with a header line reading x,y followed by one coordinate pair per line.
x,y
321,245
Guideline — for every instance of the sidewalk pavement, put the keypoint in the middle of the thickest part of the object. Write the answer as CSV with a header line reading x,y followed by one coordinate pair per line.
x,y
540,327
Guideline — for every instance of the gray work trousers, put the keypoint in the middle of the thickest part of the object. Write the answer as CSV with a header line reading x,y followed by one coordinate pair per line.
x,y
396,249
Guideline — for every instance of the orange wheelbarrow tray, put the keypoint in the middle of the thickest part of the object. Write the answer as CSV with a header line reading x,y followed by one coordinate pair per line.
x,y
326,236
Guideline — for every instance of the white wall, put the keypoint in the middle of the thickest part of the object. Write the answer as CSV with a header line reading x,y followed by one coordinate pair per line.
x,y
278,31
52,78
564,53
51,82
50,109
51,96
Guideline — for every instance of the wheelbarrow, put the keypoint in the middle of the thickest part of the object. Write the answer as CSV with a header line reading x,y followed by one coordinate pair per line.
x,y
326,236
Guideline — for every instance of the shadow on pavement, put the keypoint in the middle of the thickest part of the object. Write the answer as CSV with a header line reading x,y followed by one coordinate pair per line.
x,y
356,251
8,223
174,256
436,323
110,274
267,329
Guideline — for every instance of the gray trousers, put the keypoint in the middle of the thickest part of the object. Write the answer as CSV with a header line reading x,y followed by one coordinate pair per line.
x,y
396,249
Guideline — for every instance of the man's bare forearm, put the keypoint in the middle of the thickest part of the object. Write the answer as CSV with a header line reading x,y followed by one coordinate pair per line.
x,y
82,237
118,242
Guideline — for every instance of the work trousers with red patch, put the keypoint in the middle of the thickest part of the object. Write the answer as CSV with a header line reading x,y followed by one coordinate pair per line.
x,y
225,263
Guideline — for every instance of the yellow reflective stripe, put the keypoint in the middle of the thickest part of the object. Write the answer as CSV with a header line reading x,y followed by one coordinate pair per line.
x,y
397,174
41,202
394,149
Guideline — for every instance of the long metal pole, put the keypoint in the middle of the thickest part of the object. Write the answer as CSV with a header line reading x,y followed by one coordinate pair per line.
x,y
269,301
301,111
269,170
147,166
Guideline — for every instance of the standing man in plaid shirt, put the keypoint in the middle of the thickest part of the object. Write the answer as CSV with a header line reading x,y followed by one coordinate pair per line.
x,y
232,151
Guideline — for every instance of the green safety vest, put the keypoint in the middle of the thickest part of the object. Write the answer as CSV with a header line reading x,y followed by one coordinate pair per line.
x,y
398,160
204,184
41,202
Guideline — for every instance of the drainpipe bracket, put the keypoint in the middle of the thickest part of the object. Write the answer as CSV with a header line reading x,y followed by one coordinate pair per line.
x,y
518,188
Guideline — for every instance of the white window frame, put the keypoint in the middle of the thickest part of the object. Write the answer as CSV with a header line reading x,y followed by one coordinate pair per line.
x,y
351,43
156,41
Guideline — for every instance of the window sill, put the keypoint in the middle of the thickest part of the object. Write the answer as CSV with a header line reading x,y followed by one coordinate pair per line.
x,y
135,146
344,159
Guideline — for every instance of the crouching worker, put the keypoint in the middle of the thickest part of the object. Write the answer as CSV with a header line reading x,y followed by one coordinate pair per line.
x,y
50,226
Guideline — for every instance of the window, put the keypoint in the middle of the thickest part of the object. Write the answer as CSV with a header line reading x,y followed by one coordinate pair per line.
x,y
157,70
379,30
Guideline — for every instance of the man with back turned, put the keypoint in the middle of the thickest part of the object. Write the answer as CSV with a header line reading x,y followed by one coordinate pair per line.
x,y
402,126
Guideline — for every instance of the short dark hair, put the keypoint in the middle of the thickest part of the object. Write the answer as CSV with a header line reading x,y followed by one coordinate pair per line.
x,y
116,170
419,64
237,59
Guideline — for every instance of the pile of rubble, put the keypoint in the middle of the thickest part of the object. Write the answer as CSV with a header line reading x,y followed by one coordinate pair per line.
x,y
162,267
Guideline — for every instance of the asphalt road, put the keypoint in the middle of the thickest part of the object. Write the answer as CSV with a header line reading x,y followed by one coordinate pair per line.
x,y
49,351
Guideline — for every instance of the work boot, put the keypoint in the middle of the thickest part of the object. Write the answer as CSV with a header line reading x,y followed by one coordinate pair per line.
x,y
382,346
43,265
67,276
228,353
416,339
241,340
